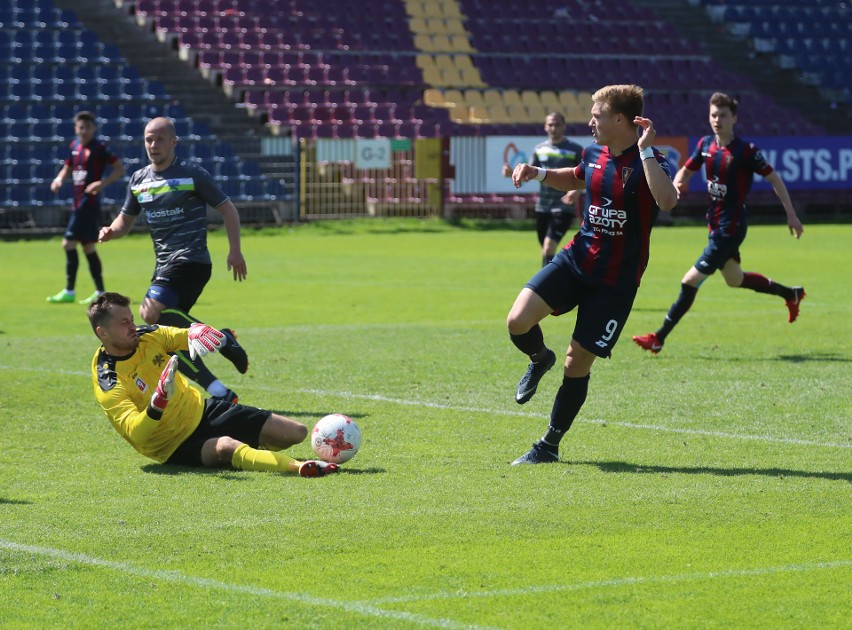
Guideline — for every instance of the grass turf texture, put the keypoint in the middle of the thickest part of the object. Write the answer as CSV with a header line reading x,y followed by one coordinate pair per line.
x,y
707,486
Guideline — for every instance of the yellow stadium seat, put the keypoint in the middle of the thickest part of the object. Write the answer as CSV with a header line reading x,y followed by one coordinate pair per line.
x,y
445,61
492,97
463,61
459,114
418,25
530,98
473,98
472,78
424,61
431,9
449,9
460,43
453,97
478,114
432,76
415,8
434,98
511,97
423,42
499,114
454,26
452,77
551,100
568,98
441,43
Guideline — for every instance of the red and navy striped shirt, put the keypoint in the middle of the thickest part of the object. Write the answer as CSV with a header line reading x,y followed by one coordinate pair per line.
x,y
87,164
730,174
611,248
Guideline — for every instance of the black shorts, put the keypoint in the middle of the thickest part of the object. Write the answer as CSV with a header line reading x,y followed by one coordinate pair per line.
x,y
601,312
552,225
220,419
84,225
719,250
179,286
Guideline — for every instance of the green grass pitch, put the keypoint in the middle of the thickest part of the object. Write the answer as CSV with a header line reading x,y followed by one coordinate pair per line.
x,y
708,486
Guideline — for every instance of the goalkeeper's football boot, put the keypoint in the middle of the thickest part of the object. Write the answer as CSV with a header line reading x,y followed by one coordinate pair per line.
x,y
234,352
793,305
649,342
229,397
529,383
538,454
63,297
314,468
91,298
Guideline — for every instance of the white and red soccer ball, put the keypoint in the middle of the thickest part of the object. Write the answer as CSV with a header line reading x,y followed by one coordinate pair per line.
x,y
336,438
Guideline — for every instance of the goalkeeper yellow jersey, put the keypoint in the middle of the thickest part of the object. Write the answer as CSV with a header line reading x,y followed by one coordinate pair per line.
x,y
124,385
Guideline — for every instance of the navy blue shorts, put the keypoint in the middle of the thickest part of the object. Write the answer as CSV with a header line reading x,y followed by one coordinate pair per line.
x,y
552,225
719,250
220,419
601,312
179,286
84,225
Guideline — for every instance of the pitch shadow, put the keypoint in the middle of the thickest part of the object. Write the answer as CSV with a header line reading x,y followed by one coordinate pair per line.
x,y
14,502
372,470
624,467
165,469
315,414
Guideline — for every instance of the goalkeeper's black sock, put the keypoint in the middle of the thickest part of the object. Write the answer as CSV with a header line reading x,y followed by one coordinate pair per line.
x,y
177,318
72,263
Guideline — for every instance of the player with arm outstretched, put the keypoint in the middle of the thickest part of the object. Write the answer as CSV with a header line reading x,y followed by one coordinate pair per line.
x,y
152,406
730,163
174,197
598,272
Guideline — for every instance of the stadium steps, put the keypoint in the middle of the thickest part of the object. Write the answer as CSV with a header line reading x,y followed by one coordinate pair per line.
x,y
737,55
155,61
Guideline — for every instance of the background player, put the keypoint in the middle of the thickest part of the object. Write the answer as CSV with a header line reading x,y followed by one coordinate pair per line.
x,y
154,408
174,197
554,209
86,162
730,164
599,271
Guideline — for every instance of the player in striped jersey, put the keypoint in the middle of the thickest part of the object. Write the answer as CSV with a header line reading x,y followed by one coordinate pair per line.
x,y
730,163
626,181
174,197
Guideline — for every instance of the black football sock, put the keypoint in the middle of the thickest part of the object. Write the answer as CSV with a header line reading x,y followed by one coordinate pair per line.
x,y
566,406
531,343
682,304
177,318
72,262
545,259
762,284
96,270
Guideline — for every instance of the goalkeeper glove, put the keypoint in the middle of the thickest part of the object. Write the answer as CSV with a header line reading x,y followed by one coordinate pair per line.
x,y
166,386
204,339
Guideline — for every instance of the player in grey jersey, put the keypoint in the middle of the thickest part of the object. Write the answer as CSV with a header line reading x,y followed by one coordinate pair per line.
x,y
174,198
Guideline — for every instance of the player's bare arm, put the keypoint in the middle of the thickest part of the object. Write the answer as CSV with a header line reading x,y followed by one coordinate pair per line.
x,y
558,178
236,262
120,226
116,173
780,189
662,188
681,180
56,184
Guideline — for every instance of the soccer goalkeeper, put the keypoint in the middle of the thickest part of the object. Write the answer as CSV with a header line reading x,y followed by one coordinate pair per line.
x,y
153,407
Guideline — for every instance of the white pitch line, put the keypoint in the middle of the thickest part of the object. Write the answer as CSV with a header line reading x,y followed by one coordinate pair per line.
x,y
625,581
505,412
367,610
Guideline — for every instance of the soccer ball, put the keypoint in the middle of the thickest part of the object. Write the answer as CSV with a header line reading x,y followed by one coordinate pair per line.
x,y
336,438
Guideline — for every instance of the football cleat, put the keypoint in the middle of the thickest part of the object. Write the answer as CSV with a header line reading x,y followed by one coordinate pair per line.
x,y
229,397
529,383
91,298
649,342
538,454
234,352
315,468
63,297
793,305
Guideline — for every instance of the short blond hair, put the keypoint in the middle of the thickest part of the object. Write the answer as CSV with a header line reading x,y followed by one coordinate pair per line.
x,y
628,100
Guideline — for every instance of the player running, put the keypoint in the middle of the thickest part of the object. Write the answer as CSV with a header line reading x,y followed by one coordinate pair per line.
x,y
174,197
598,272
153,407
730,164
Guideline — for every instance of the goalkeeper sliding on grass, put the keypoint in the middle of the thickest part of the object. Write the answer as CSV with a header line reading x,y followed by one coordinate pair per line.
x,y
154,408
